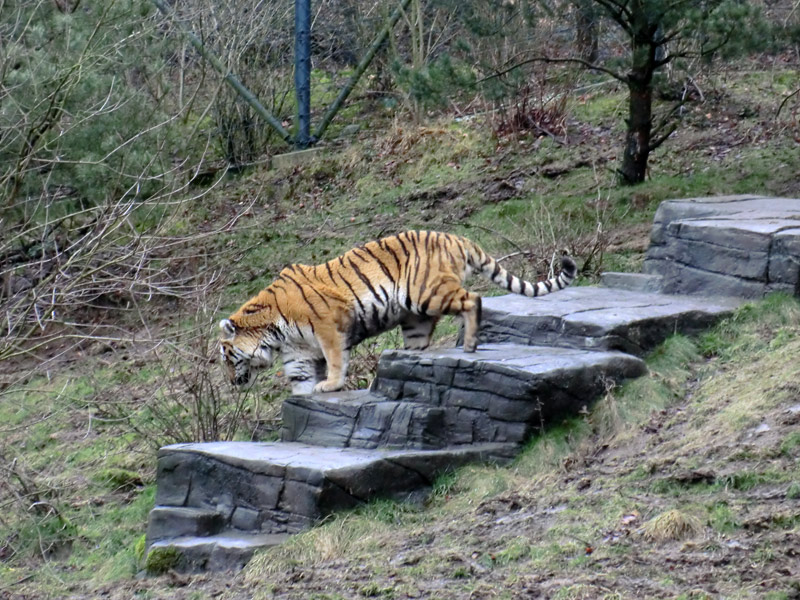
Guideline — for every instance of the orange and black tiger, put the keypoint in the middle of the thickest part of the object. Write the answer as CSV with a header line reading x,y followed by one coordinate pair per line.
x,y
314,315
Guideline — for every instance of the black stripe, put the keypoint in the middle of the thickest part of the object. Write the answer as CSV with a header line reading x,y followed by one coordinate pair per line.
x,y
423,308
305,298
385,245
496,270
424,283
376,319
413,236
355,253
509,279
462,249
277,304
450,256
405,250
380,264
366,281
446,306
427,302
347,283
548,285
312,282
330,272
253,308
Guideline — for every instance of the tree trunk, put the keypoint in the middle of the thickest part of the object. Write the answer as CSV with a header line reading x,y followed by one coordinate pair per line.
x,y
637,139
640,114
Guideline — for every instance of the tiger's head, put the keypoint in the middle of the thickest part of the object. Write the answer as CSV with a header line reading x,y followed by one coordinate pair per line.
x,y
243,350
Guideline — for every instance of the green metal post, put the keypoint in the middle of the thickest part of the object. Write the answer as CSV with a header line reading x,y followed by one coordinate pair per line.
x,y
302,70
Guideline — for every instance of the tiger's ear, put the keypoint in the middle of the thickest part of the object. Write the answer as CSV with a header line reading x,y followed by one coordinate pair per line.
x,y
228,329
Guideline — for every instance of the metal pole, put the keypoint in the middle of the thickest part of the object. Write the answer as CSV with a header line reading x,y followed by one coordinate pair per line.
x,y
231,79
362,66
302,70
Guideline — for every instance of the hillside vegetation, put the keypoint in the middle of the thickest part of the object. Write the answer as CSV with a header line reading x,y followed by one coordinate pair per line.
x,y
684,484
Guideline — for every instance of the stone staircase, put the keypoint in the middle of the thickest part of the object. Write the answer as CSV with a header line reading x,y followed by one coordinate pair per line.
x,y
540,360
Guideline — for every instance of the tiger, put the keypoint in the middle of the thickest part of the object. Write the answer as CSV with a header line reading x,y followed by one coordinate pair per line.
x,y
314,315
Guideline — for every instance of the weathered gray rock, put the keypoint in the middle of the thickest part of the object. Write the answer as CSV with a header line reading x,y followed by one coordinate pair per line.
x,y
361,420
632,282
450,398
181,521
598,318
501,393
224,552
230,489
743,246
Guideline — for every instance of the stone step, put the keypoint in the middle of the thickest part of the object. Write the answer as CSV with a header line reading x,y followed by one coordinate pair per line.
x,y
180,521
738,246
632,282
502,392
283,488
228,551
599,318
360,419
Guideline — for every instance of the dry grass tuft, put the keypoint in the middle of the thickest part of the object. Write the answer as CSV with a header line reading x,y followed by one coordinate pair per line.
x,y
672,525
342,538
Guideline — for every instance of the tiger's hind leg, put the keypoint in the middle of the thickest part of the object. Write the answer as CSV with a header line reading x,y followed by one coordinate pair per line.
x,y
417,331
471,312
452,299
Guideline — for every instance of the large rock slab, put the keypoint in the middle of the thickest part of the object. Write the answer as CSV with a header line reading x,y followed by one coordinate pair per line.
x,y
361,419
743,246
211,494
599,318
501,393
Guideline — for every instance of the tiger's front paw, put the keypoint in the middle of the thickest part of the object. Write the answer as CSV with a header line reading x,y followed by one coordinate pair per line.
x,y
328,386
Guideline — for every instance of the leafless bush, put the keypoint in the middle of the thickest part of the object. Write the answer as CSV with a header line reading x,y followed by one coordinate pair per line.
x,y
539,109
188,399
93,179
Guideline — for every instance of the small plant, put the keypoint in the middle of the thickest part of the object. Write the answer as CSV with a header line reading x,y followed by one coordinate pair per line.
x,y
790,446
793,492
721,518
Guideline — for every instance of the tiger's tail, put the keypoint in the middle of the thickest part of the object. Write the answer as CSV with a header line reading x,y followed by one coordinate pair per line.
x,y
491,269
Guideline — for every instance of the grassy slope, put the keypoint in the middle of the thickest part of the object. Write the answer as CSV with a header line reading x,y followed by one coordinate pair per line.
x,y
88,482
